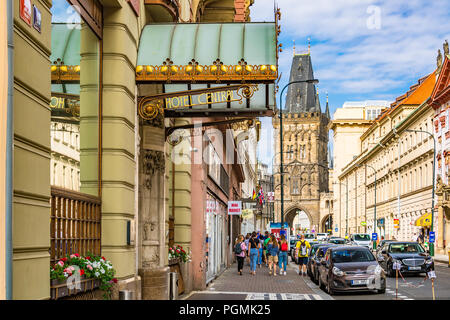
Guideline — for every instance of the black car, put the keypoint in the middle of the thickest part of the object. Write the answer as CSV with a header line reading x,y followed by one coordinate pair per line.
x,y
314,261
382,243
411,255
312,252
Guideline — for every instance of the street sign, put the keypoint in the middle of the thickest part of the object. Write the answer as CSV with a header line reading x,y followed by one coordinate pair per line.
x,y
270,196
335,229
363,223
432,237
234,207
397,266
374,236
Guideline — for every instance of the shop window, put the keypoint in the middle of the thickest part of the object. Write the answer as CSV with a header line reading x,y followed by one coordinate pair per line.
x,y
75,112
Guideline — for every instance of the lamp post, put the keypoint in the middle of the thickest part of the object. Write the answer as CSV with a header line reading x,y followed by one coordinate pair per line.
x,y
314,81
281,175
375,203
432,190
346,206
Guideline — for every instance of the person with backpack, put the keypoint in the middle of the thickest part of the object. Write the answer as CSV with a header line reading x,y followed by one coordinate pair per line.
x,y
260,249
283,255
253,252
302,248
239,250
272,250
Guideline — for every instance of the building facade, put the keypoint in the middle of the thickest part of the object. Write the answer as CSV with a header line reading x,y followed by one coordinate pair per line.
x,y
389,182
440,101
135,199
304,147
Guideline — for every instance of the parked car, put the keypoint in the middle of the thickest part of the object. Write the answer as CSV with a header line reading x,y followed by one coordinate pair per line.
x,y
337,240
322,236
350,268
411,255
382,243
292,245
361,239
314,260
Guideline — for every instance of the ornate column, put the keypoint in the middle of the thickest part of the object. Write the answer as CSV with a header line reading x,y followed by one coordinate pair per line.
x,y
152,212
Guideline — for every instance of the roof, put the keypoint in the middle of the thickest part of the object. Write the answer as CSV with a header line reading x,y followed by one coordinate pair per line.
x,y
66,43
206,42
302,97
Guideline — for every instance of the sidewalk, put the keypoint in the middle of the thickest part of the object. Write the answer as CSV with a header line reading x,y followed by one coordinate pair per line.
x,y
261,282
441,258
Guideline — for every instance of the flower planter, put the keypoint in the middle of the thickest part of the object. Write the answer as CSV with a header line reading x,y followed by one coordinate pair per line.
x,y
60,289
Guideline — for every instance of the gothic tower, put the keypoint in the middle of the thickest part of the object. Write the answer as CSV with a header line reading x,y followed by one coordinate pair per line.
x,y
305,146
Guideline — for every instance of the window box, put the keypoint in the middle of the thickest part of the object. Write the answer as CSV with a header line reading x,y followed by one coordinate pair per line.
x,y
59,288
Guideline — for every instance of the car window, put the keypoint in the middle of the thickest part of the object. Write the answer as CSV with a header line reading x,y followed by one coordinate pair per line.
x,y
320,253
349,255
405,248
362,237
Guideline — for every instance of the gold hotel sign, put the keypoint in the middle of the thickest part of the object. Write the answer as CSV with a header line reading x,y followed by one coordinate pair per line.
x,y
150,106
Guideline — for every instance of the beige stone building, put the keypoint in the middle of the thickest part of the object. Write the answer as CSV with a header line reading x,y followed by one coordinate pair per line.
x,y
402,162
305,148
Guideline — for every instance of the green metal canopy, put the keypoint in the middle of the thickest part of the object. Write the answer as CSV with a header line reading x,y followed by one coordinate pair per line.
x,y
66,43
205,42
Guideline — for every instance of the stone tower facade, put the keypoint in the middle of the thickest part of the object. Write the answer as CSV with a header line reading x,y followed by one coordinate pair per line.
x,y
305,148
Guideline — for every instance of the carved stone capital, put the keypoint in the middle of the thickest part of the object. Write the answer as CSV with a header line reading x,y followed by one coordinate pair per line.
x,y
153,162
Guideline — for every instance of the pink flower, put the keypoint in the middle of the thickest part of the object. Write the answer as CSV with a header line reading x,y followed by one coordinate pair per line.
x,y
89,267
72,256
61,263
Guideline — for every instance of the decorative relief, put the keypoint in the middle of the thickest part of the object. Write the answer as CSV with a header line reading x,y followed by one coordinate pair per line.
x,y
153,161
149,226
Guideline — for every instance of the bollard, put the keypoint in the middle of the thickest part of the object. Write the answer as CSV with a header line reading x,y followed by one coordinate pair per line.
x,y
173,286
125,295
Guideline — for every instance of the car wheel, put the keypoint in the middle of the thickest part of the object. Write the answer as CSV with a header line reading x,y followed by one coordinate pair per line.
x,y
382,290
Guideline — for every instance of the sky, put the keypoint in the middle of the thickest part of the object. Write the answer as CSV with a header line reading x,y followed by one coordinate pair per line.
x,y
360,49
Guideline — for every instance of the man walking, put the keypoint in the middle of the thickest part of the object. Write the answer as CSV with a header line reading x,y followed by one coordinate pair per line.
x,y
302,248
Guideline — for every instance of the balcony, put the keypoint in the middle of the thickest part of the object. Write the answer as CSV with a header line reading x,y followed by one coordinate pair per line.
x,y
162,10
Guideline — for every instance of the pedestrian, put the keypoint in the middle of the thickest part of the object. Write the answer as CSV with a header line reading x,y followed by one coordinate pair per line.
x,y
239,250
272,249
266,241
302,248
247,238
253,252
283,254
260,249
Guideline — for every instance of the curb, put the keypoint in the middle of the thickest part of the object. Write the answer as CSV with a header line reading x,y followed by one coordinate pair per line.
x,y
315,288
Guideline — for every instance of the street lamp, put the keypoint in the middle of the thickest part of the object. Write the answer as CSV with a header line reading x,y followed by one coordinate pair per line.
x,y
375,203
313,81
346,206
432,190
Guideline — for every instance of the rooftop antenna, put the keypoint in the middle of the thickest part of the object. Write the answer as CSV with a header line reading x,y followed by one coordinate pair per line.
x,y
309,45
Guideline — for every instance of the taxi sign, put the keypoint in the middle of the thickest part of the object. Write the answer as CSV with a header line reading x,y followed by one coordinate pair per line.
x,y
374,236
432,236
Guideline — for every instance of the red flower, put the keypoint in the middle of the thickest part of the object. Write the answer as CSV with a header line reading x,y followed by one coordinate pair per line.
x,y
88,258
77,255
64,259
81,272
114,280
103,258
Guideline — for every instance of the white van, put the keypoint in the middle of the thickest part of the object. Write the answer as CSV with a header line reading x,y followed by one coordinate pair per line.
x,y
361,239
322,236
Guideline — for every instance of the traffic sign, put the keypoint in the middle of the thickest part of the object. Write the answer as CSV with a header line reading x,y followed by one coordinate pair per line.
x,y
374,236
335,229
432,237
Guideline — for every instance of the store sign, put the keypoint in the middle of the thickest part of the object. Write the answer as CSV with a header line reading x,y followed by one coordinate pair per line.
x,y
234,207
37,19
363,223
396,223
25,11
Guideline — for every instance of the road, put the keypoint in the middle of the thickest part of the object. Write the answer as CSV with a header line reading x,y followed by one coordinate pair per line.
x,y
230,286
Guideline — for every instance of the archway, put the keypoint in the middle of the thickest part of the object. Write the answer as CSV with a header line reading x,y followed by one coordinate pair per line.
x,y
327,224
299,219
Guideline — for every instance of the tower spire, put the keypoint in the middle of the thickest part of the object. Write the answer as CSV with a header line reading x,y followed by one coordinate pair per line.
x,y
309,45
327,110
294,47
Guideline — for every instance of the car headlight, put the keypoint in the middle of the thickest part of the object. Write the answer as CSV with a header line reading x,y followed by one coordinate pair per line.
x,y
338,272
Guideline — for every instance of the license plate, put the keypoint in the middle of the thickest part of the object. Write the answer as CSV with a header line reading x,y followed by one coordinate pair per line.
x,y
414,268
358,282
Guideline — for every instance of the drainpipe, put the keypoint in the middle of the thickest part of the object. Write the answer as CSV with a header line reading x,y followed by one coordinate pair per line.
x,y
9,153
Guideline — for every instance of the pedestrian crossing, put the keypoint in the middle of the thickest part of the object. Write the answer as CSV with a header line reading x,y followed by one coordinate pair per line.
x,y
282,296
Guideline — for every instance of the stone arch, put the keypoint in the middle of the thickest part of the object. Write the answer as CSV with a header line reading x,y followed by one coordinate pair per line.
x,y
291,211
323,222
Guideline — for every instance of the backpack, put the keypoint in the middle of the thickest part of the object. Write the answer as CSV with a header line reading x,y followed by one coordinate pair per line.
x,y
284,247
238,248
303,249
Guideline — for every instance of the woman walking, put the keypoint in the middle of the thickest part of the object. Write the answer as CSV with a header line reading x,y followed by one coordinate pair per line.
x,y
272,250
260,249
239,250
253,252
283,255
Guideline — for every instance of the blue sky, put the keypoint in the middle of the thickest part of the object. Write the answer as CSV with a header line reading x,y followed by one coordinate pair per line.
x,y
360,49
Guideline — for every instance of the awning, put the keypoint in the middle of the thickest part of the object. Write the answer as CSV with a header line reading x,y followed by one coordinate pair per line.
x,y
424,220
208,52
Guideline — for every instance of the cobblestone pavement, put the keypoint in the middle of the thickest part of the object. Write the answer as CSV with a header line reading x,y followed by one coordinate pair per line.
x,y
262,286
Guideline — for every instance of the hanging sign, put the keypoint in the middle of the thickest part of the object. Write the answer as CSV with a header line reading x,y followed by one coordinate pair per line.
x,y
432,237
37,19
234,207
25,11
271,196
396,223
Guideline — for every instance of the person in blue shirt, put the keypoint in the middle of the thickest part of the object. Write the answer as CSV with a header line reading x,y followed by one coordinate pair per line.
x,y
272,250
